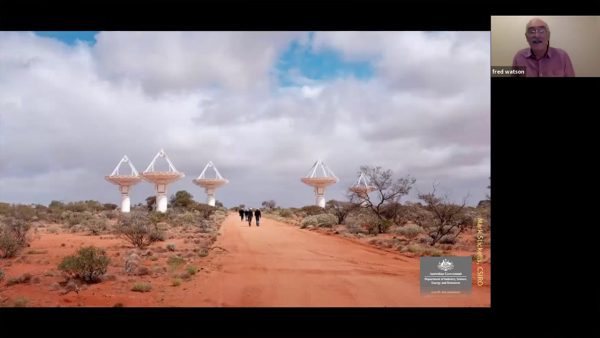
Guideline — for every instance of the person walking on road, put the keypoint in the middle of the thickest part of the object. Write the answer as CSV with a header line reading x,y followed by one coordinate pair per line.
x,y
241,214
249,217
257,215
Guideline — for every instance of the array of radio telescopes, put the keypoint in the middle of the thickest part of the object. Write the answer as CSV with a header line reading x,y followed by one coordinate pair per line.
x,y
319,177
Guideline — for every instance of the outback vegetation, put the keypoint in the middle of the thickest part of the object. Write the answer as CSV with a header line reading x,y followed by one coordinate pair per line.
x,y
141,246
431,226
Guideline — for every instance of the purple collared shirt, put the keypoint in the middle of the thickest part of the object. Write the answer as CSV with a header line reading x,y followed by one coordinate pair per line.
x,y
556,62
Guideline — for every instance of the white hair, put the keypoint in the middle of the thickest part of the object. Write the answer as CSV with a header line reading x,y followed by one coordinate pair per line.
x,y
532,20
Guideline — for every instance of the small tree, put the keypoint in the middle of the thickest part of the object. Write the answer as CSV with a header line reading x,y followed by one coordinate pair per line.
x,y
269,204
110,206
13,236
182,199
205,210
311,210
386,191
340,209
56,205
89,264
394,211
447,220
137,229
151,202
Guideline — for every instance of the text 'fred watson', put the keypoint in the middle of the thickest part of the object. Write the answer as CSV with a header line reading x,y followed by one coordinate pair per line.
x,y
508,71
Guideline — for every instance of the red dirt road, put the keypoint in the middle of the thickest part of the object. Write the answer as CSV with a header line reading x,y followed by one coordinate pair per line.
x,y
277,264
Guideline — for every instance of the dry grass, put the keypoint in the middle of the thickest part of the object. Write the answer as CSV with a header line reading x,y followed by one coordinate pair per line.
x,y
141,287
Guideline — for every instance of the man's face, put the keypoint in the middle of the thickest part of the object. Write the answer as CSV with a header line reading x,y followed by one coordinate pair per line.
x,y
537,35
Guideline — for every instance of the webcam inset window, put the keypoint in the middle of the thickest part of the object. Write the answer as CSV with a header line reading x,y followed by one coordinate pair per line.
x,y
545,46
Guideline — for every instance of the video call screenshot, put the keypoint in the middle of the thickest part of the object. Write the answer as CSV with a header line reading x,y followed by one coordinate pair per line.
x,y
383,169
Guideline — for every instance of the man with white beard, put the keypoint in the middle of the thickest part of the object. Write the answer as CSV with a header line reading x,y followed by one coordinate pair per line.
x,y
541,60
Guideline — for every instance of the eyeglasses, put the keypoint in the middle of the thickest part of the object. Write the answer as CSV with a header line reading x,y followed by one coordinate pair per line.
x,y
539,30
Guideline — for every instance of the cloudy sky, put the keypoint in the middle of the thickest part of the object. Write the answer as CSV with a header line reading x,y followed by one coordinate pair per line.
x,y
263,106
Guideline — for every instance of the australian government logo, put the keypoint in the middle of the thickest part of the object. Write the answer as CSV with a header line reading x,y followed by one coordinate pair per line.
x,y
446,275
446,265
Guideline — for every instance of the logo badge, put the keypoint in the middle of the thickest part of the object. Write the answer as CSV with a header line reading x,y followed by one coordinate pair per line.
x,y
445,265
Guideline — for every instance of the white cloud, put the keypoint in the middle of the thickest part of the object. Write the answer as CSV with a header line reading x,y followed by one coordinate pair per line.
x,y
432,63
68,114
188,61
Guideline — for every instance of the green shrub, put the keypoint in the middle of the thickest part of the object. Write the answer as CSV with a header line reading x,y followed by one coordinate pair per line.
x,y
205,210
21,212
72,218
312,210
321,220
8,245
141,287
363,221
156,217
5,209
109,206
89,264
111,214
192,270
171,247
138,229
24,278
13,236
187,218
285,213
157,236
176,281
383,225
96,226
182,199
84,206
206,226
409,231
175,262
56,205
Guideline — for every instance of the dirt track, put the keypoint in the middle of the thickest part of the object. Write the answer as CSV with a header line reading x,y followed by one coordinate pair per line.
x,y
281,265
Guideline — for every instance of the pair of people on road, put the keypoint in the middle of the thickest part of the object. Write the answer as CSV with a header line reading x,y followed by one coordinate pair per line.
x,y
247,214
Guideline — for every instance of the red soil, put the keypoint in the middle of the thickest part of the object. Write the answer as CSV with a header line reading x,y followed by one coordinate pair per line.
x,y
273,265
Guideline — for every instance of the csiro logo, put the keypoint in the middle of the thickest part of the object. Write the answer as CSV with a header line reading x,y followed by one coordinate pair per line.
x,y
445,265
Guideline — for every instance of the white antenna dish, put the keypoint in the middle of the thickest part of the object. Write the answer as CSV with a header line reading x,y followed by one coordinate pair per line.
x,y
320,176
124,182
161,179
210,183
362,187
